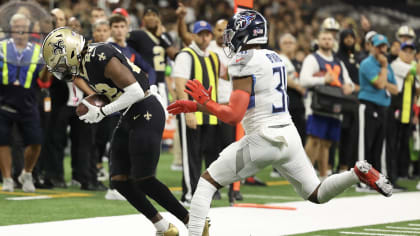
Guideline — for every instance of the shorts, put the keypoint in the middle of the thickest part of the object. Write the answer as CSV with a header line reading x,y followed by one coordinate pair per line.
x,y
136,141
29,126
323,127
280,147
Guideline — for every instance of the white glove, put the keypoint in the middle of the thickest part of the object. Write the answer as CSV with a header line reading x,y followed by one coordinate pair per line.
x,y
94,114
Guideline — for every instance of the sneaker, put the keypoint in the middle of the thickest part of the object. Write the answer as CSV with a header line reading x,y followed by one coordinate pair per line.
x,y
371,177
8,185
171,231
418,186
275,173
113,194
27,183
254,181
103,175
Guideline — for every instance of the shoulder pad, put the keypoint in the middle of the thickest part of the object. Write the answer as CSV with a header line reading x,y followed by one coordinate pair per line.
x,y
243,57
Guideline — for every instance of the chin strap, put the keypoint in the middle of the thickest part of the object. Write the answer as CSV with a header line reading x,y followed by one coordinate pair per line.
x,y
233,112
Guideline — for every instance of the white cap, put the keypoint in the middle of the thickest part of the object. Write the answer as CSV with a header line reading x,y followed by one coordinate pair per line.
x,y
369,35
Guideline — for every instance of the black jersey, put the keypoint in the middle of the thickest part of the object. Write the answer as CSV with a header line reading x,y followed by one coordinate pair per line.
x,y
152,49
93,70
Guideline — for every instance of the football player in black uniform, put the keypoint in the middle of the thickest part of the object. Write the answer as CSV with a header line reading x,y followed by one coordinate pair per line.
x,y
153,45
136,141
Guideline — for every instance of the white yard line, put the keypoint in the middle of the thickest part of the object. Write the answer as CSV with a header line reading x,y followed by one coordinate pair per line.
x,y
29,198
375,234
414,224
227,221
397,227
393,231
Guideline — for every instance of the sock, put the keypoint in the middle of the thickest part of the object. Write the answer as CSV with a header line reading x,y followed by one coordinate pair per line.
x,y
135,197
200,206
162,225
162,195
236,186
336,184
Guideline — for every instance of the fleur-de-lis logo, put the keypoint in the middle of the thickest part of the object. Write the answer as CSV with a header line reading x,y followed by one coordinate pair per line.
x,y
58,47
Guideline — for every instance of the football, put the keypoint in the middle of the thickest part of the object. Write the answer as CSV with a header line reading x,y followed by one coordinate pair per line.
x,y
98,100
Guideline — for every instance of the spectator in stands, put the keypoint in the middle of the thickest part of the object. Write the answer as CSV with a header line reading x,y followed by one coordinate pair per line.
x,y
119,32
96,14
18,101
101,31
399,126
59,18
323,68
198,129
154,45
394,51
377,81
349,125
405,34
75,25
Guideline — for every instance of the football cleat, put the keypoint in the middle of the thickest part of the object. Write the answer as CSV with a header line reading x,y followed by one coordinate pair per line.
x,y
171,231
371,177
206,231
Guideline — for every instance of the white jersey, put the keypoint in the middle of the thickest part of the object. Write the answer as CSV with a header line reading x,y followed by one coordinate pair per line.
x,y
269,101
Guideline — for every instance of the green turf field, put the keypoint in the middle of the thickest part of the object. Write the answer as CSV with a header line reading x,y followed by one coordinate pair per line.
x,y
73,203
412,227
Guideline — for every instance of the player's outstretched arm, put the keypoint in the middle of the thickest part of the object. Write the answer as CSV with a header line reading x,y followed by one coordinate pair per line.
x,y
231,113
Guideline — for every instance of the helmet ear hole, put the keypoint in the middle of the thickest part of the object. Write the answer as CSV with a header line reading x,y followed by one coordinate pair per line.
x,y
72,54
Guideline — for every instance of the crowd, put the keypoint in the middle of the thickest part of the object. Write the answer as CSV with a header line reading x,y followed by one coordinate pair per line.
x,y
182,41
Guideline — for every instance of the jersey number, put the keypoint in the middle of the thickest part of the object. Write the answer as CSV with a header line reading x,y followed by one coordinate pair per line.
x,y
111,93
159,58
280,75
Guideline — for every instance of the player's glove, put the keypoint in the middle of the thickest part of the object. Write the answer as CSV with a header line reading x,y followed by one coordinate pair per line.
x,y
94,114
198,92
182,106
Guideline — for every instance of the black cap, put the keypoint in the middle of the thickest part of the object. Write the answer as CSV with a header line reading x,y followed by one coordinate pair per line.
x,y
151,9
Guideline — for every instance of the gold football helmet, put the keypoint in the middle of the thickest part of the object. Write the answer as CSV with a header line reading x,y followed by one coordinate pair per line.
x,y
405,33
61,51
330,24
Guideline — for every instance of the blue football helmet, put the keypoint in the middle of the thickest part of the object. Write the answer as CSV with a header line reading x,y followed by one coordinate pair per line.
x,y
245,28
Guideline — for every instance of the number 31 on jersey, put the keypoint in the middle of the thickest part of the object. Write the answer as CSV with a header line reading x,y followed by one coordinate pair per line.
x,y
279,74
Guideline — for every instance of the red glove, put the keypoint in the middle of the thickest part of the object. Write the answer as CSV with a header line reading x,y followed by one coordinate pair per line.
x,y
182,106
198,92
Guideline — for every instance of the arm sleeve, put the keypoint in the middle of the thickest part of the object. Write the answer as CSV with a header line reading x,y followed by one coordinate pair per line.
x,y
182,66
146,67
132,93
309,68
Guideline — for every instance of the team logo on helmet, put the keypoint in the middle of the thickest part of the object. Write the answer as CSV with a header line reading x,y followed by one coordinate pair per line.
x,y
58,47
244,20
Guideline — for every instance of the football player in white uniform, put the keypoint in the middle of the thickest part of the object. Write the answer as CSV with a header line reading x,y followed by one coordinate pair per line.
x,y
260,100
